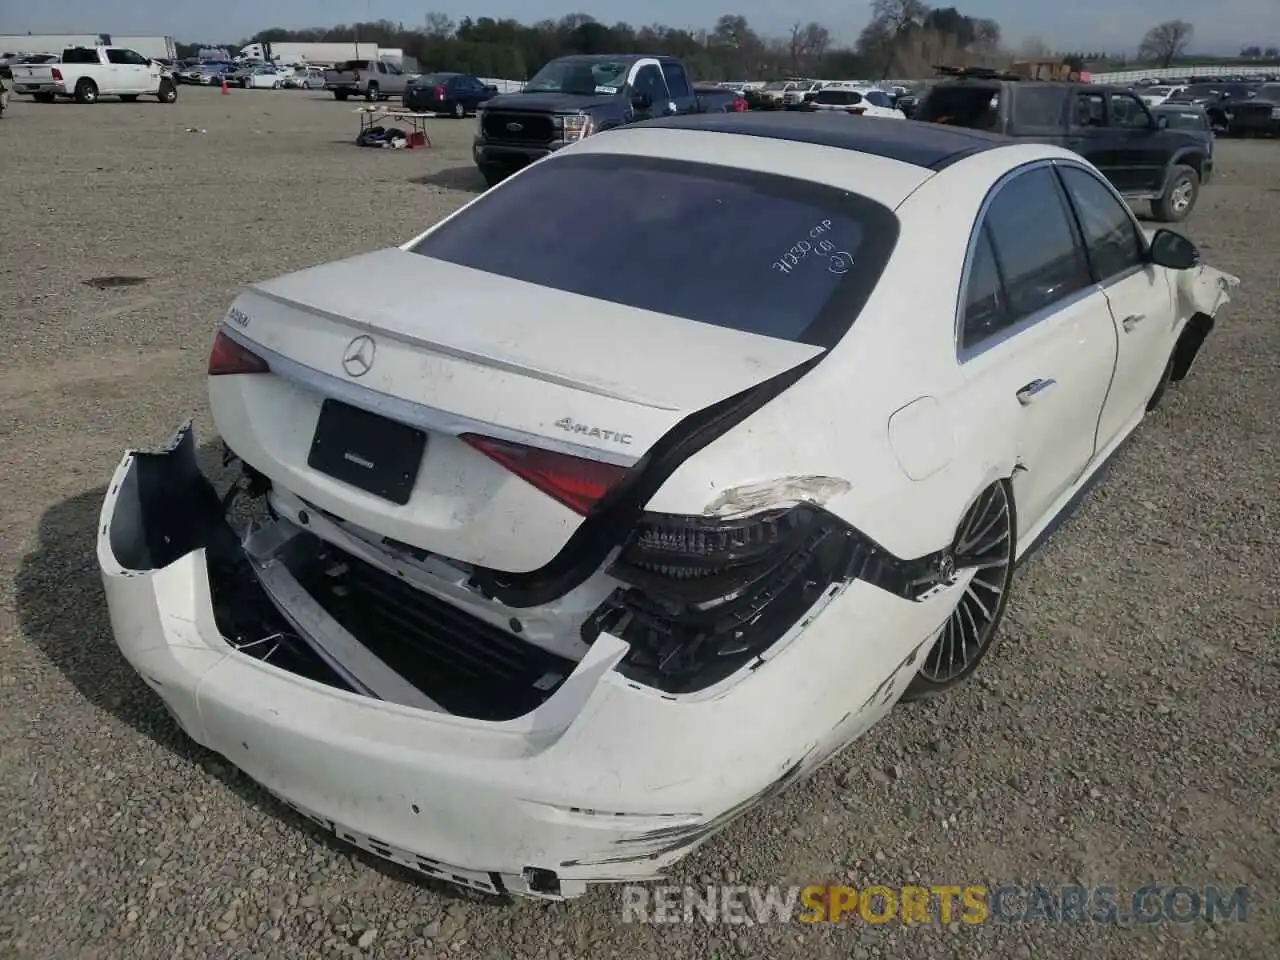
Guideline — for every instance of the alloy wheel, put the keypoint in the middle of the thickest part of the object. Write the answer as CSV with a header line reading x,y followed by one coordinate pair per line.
x,y
983,547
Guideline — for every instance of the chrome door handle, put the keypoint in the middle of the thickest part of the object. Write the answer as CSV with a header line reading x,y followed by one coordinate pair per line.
x,y
1033,390
1132,321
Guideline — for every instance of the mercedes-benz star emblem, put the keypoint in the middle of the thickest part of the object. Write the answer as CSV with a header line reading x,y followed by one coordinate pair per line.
x,y
358,357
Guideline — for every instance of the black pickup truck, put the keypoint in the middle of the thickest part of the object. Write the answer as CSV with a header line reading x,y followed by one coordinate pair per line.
x,y
1141,154
574,97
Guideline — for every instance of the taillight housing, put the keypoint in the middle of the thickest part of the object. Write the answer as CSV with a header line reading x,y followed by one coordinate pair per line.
x,y
57,74
704,596
229,357
440,93
577,482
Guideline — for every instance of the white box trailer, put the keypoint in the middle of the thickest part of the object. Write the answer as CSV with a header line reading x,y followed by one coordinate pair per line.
x,y
46,42
152,46
157,48
323,54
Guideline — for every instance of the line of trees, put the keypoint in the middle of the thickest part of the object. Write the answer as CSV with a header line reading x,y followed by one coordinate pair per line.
x,y
905,38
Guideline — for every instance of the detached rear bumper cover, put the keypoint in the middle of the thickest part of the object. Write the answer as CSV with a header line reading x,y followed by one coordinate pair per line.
x,y
605,781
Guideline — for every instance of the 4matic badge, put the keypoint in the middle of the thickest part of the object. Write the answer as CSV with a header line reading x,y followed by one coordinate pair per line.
x,y
569,425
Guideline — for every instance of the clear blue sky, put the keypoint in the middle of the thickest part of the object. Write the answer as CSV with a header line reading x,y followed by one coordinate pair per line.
x,y
1222,26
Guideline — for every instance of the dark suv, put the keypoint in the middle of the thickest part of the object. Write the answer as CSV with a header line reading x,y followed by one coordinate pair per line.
x,y
1110,127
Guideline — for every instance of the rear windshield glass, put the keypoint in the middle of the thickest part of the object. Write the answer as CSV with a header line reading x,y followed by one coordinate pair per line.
x,y
434,79
754,252
1184,119
838,97
353,65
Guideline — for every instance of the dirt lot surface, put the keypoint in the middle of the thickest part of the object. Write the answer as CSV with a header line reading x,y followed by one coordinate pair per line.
x,y
1125,733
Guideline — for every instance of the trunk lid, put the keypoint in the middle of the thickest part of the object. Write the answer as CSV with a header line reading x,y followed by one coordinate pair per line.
x,y
457,351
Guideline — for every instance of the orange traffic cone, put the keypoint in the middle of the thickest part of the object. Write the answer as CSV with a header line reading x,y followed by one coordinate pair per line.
x,y
226,91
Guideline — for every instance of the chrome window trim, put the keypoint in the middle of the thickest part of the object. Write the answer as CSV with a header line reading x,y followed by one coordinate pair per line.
x,y
411,413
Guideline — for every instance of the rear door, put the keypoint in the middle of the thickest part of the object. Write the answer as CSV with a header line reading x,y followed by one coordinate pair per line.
x,y
1138,294
1035,336
1140,154
678,87
646,80
1091,137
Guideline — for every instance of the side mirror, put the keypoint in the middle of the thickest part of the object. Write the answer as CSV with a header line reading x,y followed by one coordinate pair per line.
x,y
1162,122
491,88
1173,250
641,101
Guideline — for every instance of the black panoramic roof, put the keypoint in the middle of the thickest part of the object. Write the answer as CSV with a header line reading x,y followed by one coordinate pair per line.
x,y
928,145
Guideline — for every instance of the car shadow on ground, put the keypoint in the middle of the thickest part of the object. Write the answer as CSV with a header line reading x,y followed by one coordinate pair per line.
x,y
467,179
78,641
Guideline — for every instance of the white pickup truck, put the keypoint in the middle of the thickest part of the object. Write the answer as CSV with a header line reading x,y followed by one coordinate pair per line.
x,y
87,73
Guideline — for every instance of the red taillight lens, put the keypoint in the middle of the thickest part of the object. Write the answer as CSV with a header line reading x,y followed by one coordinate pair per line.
x,y
228,357
57,74
576,482
439,93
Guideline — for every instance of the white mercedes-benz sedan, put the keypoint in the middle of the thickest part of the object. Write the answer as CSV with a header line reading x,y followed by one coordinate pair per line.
x,y
630,493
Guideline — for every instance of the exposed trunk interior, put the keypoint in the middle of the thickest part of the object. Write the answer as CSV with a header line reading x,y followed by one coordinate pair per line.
x,y
283,596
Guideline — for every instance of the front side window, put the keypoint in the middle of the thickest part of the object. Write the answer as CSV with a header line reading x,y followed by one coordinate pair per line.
x,y
1110,235
1127,112
759,253
1033,248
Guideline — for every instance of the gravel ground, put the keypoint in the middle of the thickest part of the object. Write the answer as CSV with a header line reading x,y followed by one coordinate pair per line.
x,y
1125,733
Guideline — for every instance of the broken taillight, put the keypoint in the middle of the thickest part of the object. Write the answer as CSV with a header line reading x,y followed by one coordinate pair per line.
x,y
576,482
229,357
57,74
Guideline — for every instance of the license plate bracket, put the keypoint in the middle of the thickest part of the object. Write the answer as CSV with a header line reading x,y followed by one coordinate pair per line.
x,y
367,451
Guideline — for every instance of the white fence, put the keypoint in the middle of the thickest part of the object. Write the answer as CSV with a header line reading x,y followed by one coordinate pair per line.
x,y
1204,70
504,86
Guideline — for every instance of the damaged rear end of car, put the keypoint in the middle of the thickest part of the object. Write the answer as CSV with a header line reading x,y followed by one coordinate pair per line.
x,y
450,626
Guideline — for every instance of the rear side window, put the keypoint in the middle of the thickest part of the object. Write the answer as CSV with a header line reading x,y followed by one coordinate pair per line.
x,y
1032,246
677,82
1039,106
759,253
879,98
972,106
80,55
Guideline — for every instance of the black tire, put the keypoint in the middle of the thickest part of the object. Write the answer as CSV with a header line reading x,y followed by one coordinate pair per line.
x,y
167,92
45,97
371,94
493,175
459,110
86,91
986,539
340,94
1180,195
128,98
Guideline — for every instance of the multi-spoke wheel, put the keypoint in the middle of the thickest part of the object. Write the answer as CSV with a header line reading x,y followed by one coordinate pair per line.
x,y
982,553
